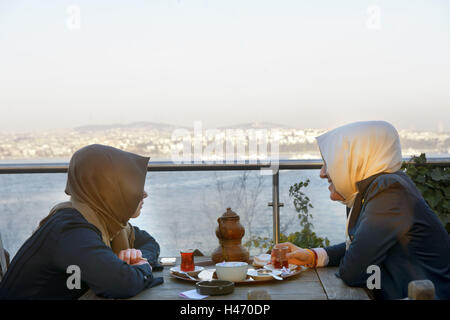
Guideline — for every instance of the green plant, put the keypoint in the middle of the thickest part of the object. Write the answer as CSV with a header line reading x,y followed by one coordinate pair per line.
x,y
434,184
305,238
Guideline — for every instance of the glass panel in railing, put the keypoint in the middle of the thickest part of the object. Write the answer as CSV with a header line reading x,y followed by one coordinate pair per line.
x,y
183,207
314,212
25,199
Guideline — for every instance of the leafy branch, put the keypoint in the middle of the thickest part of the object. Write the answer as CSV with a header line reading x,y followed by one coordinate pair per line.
x,y
305,238
434,184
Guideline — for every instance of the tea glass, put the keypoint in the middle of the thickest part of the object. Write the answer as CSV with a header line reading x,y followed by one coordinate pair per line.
x,y
280,254
187,260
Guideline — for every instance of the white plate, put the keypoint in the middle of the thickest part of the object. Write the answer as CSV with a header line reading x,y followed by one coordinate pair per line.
x,y
168,261
261,260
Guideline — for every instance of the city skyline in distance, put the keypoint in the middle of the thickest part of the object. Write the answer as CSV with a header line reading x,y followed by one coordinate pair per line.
x,y
162,141
238,125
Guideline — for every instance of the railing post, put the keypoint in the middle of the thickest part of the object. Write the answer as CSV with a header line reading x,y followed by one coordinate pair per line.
x,y
275,204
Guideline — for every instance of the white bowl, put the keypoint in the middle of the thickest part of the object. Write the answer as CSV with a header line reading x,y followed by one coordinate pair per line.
x,y
232,271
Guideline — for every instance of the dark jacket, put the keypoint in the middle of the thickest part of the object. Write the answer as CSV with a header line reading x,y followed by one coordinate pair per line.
x,y
393,227
39,269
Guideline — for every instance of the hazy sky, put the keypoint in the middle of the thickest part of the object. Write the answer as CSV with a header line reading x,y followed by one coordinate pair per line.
x,y
314,63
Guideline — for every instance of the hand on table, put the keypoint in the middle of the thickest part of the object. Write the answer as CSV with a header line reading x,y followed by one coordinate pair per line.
x,y
295,255
132,256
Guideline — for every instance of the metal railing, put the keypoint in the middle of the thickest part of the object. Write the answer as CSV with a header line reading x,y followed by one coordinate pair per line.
x,y
165,166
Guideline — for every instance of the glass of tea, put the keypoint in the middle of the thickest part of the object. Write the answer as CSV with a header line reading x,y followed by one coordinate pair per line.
x,y
187,260
280,254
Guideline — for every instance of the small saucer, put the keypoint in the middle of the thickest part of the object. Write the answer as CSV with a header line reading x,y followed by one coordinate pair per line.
x,y
292,267
263,274
193,273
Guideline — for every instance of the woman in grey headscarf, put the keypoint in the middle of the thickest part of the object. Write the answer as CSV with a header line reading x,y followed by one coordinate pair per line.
x,y
389,224
91,233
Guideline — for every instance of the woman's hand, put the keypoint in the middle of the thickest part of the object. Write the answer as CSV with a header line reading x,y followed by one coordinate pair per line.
x,y
296,255
132,257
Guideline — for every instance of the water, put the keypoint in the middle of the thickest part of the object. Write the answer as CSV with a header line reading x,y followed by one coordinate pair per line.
x,y
182,208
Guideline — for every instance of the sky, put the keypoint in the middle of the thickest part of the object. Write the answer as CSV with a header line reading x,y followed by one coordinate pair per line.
x,y
304,64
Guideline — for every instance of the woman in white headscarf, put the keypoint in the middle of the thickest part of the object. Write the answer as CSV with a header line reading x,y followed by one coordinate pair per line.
x,y
389,224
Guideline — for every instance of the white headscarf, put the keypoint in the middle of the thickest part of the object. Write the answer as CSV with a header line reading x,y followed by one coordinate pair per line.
x,y
357,151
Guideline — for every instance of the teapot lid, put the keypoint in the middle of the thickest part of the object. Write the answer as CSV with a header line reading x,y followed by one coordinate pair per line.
x,y
230,214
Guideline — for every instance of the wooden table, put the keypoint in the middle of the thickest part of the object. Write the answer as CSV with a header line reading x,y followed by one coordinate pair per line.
x,y
311,284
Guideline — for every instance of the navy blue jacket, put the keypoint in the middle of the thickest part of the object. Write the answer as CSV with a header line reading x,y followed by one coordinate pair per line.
x,y
39,269
393,227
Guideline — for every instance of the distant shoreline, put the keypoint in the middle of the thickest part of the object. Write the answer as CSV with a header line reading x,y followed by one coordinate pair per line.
x,y
162,142
67,160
